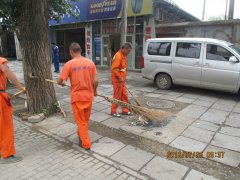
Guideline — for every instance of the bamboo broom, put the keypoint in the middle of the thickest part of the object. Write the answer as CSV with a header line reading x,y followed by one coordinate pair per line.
x,y
145,113
59,105
136,101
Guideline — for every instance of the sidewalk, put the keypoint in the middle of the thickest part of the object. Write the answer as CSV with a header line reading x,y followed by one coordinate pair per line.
x,y
202,121
47,158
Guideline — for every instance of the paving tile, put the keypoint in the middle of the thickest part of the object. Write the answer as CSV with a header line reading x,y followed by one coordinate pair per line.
x,y
99,116
225,105
132,157
233,120
214,116
175,127
198,134
99,106
93,136
65,130
193,111
185,100
204,103
98,99
160,168
138,130
196,175
169,97
226,141
205,125
115,122
191,96
208,98
51,122
237,108
153,95
188,144
106,146
230,158
231,131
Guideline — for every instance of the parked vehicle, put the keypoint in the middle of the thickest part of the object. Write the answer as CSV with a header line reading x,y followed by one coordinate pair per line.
x,y
199,62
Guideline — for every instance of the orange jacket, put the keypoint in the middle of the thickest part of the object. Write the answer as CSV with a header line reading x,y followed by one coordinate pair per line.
x,y
80,70
119,66
3,78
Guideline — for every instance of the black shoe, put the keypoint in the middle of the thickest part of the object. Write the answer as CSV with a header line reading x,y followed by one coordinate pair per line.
x,y
80,144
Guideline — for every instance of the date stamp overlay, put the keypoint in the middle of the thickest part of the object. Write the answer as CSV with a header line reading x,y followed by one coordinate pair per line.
x,y
195,154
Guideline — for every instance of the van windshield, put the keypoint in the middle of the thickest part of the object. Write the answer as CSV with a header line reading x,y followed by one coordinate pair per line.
x,y
235,48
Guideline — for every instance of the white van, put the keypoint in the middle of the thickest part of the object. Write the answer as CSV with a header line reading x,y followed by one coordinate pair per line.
x,y
199,62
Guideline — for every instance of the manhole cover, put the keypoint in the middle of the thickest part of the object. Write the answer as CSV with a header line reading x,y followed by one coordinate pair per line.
x,y
161,104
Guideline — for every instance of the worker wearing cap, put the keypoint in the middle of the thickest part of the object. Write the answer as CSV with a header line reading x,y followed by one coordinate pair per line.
x,y
7,149
118,77
84,81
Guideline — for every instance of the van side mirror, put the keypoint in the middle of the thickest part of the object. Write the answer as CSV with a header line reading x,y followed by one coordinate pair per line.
x,y
233,59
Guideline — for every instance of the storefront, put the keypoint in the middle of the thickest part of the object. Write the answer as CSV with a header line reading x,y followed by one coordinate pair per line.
x,y
106,40
100,31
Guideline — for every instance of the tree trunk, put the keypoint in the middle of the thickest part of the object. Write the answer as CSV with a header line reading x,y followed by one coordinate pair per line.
x,y
33,34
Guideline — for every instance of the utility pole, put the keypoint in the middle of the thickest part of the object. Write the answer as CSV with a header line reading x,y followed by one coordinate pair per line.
x,y
124,22
231,9
204,7
226,10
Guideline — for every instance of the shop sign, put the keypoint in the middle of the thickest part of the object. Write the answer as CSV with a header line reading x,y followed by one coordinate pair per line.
x,y
89,10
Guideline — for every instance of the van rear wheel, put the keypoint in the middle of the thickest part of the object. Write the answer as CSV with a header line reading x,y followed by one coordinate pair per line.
x,y
163,81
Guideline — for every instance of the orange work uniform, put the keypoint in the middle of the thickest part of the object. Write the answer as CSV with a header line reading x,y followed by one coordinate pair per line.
x,y
6,122
119,67
81,70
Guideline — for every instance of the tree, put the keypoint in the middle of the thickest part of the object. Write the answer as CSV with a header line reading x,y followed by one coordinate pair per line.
x,y
216,18
29,19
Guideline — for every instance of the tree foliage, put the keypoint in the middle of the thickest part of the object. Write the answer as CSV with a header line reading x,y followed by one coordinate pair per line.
x,y
10,10
216,18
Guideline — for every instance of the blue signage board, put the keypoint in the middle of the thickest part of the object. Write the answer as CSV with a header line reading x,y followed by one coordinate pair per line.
x,y
80,8
90,10
103,9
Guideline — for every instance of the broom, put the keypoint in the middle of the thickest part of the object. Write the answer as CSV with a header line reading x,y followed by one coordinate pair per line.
x,y
58,103
145,113
136,101
17,94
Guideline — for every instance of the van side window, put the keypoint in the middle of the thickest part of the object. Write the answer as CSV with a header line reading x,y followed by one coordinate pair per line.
x,y
215,52
159,48
188,50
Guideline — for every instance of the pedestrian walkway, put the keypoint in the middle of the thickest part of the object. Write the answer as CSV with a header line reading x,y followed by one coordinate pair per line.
x,y
46,158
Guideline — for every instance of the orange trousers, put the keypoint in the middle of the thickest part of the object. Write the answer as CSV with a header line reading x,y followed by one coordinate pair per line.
x,y
6,127
81,113
120,93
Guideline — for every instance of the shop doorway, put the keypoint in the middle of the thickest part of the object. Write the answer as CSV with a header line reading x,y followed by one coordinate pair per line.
x,y
66,37
111,45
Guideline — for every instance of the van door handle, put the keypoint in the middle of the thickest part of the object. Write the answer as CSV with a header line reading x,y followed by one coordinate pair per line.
x,y
206,65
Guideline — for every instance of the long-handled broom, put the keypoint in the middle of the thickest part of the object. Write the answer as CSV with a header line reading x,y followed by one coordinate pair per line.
x,y
58,103
145,113
17,94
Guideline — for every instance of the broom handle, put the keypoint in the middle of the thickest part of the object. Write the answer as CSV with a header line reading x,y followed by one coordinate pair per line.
x,y
55,82
138,103
17,94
